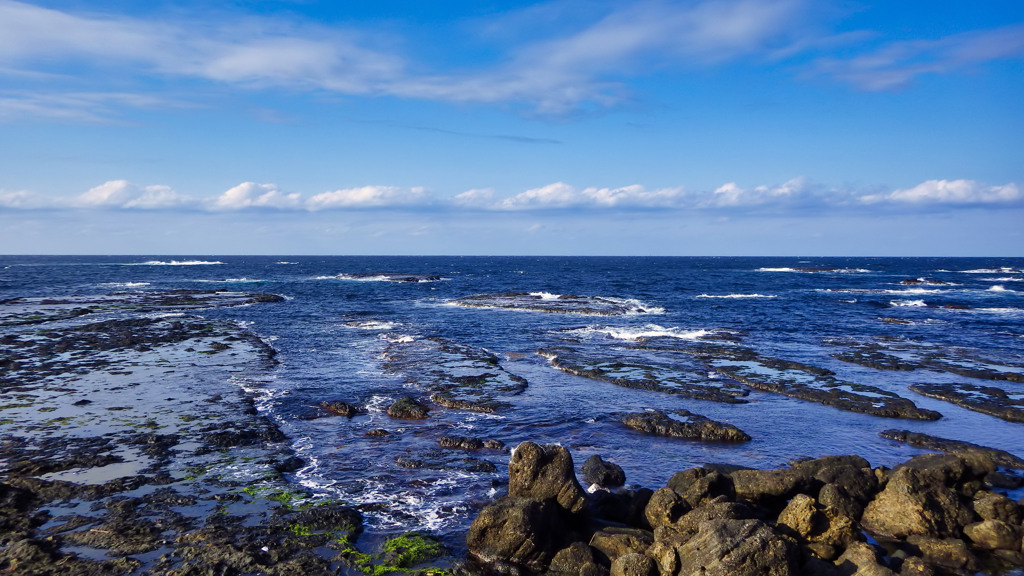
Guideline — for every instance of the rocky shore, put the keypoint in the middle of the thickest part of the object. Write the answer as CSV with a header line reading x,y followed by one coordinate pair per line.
x,y
131,445
936,514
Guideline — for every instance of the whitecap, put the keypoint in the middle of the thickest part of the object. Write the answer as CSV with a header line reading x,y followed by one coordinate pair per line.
x,y
546,295
634,333
176,263
998,288
737,296
909,303
776,270
1002,270
1003,279
125,284
371,325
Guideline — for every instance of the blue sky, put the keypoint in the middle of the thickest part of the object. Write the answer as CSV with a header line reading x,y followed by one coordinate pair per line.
x,y
715,127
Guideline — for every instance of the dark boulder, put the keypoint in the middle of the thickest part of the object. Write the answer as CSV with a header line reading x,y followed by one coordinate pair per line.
x,y
612,543
771,487
598,471
339,408
700,485
545,472
407,408
517,531
665,507
688,425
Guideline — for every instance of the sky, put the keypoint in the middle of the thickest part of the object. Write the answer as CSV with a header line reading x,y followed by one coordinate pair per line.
x,y
569,127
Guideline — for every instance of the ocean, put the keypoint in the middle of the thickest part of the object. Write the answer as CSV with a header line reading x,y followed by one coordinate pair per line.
x,y
558,349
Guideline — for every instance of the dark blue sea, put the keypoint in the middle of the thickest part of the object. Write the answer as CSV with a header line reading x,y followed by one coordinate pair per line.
x,y
367,330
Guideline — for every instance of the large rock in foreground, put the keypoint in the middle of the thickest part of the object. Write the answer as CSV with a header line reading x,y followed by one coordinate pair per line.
x,y
545,472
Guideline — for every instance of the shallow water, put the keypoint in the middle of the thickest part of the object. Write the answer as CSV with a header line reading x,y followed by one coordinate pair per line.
x,y
344,317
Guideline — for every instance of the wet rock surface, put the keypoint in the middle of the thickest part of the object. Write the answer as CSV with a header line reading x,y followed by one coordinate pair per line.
x,y
685,376
684,424
928,442
928,517
813,384
985,399
457,376
556,303
908,355
129,450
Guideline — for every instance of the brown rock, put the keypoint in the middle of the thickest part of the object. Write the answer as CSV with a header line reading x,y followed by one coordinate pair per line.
x,y
634,564
833,497
914,502
852,474
571,558
515,530
545,472
724,547
615,542
770,487
699,485
860,559
665,507
914,566
994,535
949,553
825,532
994,506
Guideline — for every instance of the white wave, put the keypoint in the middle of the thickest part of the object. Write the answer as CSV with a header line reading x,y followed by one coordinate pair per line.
x,y
633,333
637,307
998,288
177,263
1003,279
125,284
283,262
398,338
233,281
817,270
546,295
371,325
997,310
1002,270
737,296
908,303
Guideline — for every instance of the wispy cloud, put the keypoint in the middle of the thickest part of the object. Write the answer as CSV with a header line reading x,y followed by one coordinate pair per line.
x,y
897,64
950,192
586,61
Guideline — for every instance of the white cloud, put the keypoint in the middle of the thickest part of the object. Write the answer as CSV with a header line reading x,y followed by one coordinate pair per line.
x,y
22,199
475,198
562,195
552,75
123,194
368,197
253,195
732,195
950,192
